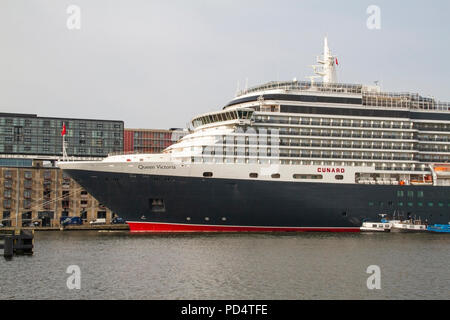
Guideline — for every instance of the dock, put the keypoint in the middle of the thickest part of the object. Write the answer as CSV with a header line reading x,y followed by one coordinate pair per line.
x,y
17,242
108,227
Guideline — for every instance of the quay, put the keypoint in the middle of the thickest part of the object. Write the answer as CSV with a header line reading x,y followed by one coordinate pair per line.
x,y
108,227
17,242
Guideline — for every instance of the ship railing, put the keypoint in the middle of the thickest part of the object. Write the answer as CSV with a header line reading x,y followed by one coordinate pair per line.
x,y
408,101
304,86
124,153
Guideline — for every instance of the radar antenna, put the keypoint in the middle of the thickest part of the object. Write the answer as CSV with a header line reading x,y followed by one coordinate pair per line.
x,y
326,67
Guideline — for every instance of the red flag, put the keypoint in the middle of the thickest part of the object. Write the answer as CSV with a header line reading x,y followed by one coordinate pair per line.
x,y
337,62
63,132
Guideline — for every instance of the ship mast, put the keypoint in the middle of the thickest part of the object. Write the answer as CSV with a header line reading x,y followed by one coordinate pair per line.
x,y
326,67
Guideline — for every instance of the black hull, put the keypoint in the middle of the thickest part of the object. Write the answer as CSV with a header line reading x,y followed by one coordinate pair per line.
x,y
224,202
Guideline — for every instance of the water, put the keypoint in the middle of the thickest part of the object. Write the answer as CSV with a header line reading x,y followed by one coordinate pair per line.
x,y
117,265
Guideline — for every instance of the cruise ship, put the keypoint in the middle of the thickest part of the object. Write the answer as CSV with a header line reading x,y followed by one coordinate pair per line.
x,y
288,156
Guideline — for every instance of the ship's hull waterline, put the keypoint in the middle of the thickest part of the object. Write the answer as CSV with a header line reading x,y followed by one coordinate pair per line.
x,y
198,204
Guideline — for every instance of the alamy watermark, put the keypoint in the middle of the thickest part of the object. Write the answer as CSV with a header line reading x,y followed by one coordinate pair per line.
x,y
374,20
74,20
74,280
374,281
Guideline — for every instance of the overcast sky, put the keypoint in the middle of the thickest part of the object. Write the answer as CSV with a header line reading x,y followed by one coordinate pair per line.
x,y
157,64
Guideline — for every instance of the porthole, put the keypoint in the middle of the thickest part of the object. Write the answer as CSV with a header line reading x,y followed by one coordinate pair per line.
x,y
339,177
224,219
275,176
188,218
206,218
207,174
253,175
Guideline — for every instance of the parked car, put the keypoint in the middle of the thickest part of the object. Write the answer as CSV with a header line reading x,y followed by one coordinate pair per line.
x,y
98,221
118,220
65,221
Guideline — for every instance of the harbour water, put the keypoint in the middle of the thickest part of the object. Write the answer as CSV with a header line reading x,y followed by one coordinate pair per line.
x,y
118,265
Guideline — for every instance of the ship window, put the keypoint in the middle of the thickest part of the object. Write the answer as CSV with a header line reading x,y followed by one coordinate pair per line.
x,y
419,194
400,194
410,194
207,174
275,175
157,205
370,204
430,204
339,177
400,204
440,204
253,175
419,204
410,204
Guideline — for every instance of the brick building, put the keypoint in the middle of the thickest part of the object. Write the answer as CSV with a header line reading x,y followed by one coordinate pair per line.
x,y
150,140
40,195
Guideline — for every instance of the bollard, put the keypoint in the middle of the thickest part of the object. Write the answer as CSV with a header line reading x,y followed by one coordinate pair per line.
x,y
8,249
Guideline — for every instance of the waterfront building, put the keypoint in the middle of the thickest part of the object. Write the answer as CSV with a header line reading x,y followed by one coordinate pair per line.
x,y
150,140
31,136
32,189
35,194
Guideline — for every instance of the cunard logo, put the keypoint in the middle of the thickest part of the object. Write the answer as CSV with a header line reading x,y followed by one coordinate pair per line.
x,y
330,170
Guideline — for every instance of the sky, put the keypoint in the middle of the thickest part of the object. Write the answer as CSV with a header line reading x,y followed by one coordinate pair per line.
x,y
158,64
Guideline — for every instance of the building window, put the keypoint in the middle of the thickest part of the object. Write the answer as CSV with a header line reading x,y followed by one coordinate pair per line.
x,y
27,194
28,184
7,174
7,203
27,204
101,215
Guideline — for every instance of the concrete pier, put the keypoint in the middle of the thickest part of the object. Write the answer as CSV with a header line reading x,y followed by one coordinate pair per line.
x,y
123,227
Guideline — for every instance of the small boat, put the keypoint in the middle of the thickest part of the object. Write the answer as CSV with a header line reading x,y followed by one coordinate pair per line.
x,y
441,228
408,226
375,227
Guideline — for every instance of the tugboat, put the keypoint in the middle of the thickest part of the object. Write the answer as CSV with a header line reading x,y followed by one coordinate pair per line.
x,y
376,227
383,226
409,225
439,228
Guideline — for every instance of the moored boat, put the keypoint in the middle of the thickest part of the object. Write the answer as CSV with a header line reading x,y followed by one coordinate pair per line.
x,y
439,228
375,227
409,226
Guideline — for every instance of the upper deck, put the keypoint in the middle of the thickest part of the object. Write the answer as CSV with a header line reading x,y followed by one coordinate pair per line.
x,y
371,96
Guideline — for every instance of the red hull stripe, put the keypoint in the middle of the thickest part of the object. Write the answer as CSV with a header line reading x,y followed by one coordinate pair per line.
x,y
173,227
